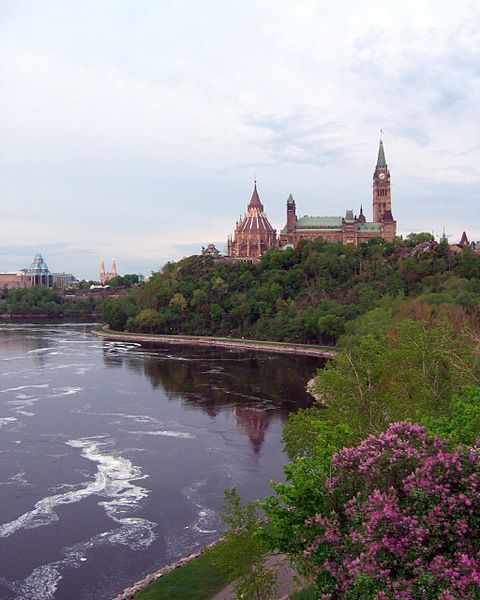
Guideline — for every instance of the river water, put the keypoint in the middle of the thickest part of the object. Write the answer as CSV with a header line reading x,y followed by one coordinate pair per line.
x,y
114,457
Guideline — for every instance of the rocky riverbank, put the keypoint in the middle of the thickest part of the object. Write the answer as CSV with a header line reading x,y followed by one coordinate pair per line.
x,y
187,340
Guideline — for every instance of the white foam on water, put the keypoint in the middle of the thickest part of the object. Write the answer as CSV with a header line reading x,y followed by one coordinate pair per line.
x,y
17,479
135,418
19,406
25,387
175,434
40,350
206,518
42,583
113,481
6,420
65,391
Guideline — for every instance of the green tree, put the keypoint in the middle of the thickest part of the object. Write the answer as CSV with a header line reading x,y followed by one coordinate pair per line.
x,y
407,372
245,550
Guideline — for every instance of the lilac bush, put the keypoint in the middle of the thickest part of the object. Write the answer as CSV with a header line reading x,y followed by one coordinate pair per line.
x,y
404,520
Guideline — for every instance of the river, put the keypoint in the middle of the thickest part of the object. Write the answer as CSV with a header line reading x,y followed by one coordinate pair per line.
x,y
114,457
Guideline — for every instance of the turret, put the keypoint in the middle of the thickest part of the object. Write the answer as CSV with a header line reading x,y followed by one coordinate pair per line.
x,y
361,216
291,214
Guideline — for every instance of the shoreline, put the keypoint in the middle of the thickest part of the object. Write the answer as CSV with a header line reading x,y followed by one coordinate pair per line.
x,y
131,591
47,316
191,340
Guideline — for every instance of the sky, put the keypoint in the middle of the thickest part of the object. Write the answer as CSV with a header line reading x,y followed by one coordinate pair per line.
x,y
134,129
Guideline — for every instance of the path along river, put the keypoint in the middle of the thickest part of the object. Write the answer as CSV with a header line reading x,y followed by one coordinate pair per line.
x,y
114,457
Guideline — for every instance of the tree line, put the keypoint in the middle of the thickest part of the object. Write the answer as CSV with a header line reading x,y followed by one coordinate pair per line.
x,y
309,294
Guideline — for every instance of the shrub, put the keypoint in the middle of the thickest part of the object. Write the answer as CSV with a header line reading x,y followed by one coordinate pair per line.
x,y
403,521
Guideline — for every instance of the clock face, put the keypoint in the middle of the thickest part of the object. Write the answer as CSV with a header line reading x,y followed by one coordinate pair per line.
x,y
381,175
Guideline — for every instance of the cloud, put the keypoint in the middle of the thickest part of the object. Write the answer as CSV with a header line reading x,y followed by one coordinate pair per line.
x,y
299,135
134,129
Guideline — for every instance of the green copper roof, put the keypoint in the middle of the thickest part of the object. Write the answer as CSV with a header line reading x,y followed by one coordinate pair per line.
x,y
381,162
290,200
369,226
318,222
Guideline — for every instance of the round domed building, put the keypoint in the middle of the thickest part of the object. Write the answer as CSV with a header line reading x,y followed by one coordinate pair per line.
x,y
253,234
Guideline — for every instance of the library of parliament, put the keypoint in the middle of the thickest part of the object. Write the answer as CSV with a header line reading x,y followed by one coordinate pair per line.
x,y
254,234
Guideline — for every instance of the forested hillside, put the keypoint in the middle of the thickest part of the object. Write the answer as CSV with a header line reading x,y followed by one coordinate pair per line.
x,y
308,294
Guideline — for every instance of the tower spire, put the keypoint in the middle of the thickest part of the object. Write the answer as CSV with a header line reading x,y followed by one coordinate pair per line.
x,y
381,162
255,199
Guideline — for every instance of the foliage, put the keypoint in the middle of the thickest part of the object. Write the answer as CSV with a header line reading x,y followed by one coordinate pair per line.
x,y
309,294
403,520
245,550
310,441
123,280
409,371
461,422
41,300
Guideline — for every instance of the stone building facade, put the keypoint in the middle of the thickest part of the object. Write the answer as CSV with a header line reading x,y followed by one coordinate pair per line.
x,y
350,229
253,233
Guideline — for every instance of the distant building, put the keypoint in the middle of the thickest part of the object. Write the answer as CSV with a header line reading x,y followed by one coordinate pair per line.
x,y
107,275
211,250
253,234
350,229
14,280
35,275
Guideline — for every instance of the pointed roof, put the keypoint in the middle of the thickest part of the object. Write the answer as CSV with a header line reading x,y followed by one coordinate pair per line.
x,y
290,200
381,162
464,241
255,200
361,216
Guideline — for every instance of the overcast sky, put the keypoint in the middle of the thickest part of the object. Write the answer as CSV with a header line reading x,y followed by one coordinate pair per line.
x,y
135,128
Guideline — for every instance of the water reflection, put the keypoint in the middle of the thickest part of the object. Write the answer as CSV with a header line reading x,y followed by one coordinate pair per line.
x,y
254,386
255,422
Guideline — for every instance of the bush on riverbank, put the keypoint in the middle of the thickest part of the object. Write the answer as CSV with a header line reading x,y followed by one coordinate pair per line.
x,y
308,294
402,520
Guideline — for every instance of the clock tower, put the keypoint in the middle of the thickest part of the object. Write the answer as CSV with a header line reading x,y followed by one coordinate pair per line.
x,y
382,199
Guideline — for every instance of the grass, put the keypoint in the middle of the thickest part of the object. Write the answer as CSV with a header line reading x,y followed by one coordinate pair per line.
x,y
198,580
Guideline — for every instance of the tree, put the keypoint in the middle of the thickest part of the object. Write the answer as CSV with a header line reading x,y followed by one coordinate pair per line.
x,y
413,239
310,441
410,371
245,551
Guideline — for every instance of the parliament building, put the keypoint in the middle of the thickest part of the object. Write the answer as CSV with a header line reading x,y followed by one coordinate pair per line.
x,y
254,234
